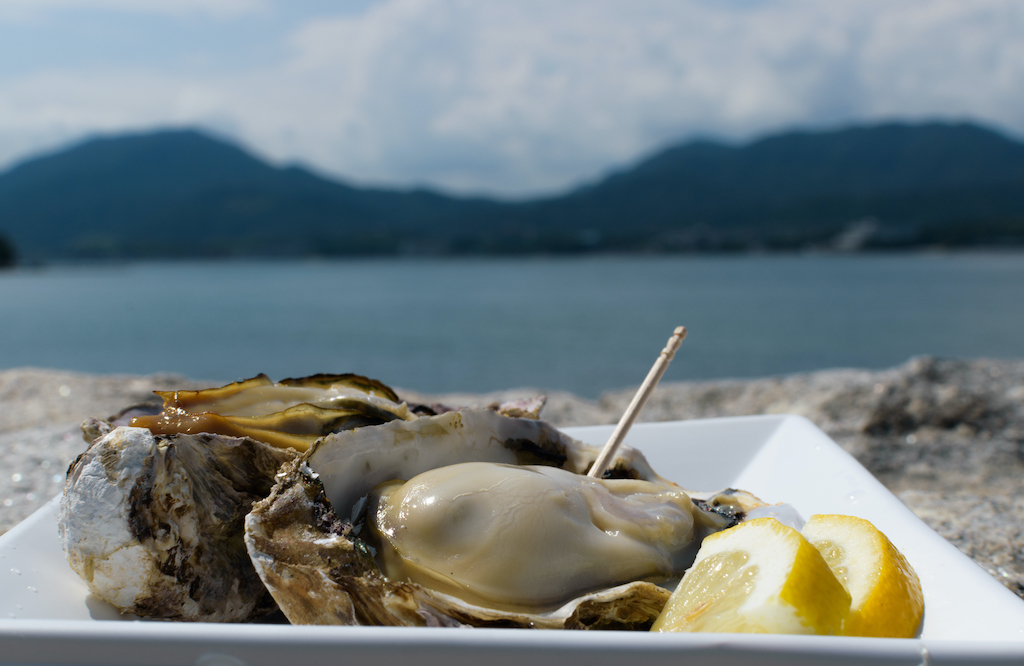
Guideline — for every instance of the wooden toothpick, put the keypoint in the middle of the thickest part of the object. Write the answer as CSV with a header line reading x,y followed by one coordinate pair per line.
x,y
653,377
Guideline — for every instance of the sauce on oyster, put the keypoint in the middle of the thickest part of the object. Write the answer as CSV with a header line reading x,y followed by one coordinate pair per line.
x,y
530,538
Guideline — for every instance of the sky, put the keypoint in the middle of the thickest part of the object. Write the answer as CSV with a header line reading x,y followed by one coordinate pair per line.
x,y
512,98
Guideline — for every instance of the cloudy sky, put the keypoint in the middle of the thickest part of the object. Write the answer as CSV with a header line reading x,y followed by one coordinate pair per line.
x,y
513,97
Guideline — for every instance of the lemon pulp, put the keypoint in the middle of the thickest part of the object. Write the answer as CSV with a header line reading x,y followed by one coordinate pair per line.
x,y
758,577
886,598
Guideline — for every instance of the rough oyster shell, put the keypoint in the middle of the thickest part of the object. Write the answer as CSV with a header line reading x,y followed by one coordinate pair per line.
x,y
153,524
304,539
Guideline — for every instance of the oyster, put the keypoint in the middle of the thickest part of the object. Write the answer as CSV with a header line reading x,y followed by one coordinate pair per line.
x,y
334,546
292,413
153,523
151,516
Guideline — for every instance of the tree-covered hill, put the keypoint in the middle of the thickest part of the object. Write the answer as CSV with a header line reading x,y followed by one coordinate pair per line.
x,y
185,193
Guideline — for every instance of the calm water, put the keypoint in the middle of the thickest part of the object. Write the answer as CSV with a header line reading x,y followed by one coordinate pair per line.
x,y
585,325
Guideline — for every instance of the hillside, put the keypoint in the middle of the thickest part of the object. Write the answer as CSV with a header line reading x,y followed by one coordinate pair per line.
x,y
185,193
918,182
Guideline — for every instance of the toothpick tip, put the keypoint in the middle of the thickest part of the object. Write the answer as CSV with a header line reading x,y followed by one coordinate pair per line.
x,y
607,454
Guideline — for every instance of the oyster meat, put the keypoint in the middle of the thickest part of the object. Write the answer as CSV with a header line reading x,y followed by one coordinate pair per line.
x,y
529,538
292,413
473,518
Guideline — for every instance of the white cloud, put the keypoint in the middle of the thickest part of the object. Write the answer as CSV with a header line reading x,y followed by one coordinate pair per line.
x,y
528,96
49,109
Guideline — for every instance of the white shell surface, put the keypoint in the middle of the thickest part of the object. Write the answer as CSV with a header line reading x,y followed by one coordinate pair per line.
x,y
94,518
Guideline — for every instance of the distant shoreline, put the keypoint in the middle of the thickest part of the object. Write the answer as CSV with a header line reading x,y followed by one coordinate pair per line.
x,y
922,251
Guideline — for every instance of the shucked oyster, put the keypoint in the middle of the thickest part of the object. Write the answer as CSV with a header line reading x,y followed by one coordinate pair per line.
x,y
151,517
529,538
292,412
481,520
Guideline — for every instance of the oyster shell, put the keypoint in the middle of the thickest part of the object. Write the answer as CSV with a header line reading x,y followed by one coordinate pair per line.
x,y
312,542
153,524
151,516
290,413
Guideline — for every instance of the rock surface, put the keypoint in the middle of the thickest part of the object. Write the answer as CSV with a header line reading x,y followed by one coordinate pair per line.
x,y
946,436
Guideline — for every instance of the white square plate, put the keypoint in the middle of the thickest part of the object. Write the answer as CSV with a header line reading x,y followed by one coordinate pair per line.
x,y
47,615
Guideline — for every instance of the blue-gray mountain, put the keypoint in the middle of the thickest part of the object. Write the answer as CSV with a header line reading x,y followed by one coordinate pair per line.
x,y
184,193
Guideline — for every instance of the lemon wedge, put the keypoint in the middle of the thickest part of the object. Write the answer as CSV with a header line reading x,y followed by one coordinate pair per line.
x,y
886,599
758,577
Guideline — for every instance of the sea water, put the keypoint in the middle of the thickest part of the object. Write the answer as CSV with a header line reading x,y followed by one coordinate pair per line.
x,y
581,324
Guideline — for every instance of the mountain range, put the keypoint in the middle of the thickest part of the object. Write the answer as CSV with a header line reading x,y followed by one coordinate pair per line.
x,y
184,193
